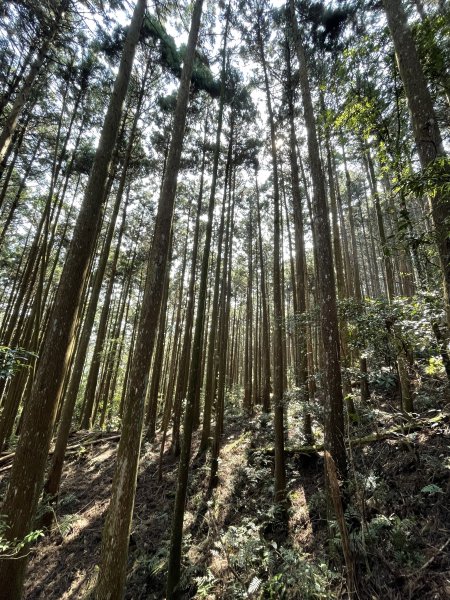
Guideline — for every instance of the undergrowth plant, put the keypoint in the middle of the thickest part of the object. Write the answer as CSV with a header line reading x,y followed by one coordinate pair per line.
x,y
262,569
11,549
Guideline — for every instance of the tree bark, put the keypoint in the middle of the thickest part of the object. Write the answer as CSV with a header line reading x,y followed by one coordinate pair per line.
x,y
29,464
278,366
333,400
24,93
265,331
114,550
426,130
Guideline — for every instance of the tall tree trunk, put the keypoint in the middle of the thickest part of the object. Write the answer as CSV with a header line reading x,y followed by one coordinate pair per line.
x,y
211,357
300,255
174,361
224,322
343,278
174,567
357,287
24,93
426,130
29,462
91,385
195,369
183,372
389,273
406,398
114,550
177,401
374,247
12,163
351,220
155,381
248,362
334,426
265,330
278,325
20,189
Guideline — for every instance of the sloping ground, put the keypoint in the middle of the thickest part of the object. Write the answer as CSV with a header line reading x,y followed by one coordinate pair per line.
x,y
238,546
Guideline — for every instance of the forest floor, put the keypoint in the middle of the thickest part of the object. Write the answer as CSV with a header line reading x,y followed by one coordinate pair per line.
x,y
237,546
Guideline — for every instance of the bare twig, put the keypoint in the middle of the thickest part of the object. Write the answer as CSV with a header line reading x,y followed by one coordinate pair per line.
x,y
441,549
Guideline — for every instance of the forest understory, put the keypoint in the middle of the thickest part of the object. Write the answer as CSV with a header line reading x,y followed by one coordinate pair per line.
x,y
236,544
224,299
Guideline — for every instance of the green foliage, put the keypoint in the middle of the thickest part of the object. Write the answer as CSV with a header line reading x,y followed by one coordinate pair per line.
x,y
171,58
317,505
10,549
359,114
169,55
431,37
384,381
66,523
13,359
155,564
431,488
434,179
435,366
264,570
205,585
403,541
380,329
329,24
394,536
67,500
244,545
298,577
110,43
84,158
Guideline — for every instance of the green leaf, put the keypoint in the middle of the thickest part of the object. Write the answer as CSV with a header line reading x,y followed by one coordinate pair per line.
x,y
431,488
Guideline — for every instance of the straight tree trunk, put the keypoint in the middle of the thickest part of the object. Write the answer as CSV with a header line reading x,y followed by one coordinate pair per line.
x,y
224,321
332,388
265,331
183,372
114,549
248,364
28,468
389,273
155,381
195,369
174,567
426,130
351,220
357,287
178,396
115,349
24,93
405,391
211,357
278,342
87,421
174,360
300,256
12,163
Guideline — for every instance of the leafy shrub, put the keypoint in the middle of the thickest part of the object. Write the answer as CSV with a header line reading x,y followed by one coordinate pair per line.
x,y
13,359
391,536
431,488
378,328
66,523
261,567
205,585
296,576
10,549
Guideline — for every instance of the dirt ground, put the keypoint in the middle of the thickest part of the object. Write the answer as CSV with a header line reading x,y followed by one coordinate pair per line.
x,y
397,517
